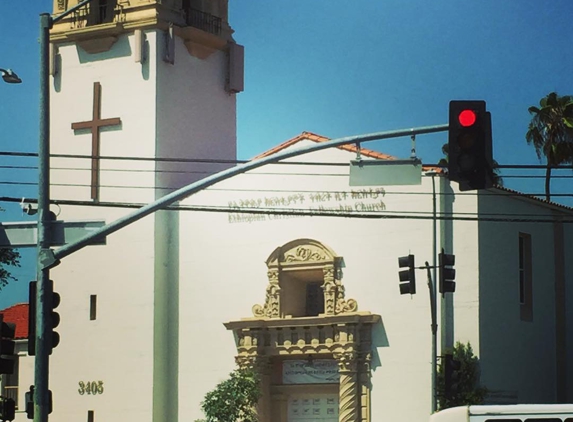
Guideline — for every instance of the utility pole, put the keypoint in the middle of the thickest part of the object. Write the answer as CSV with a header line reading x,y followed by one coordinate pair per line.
x,y
44,291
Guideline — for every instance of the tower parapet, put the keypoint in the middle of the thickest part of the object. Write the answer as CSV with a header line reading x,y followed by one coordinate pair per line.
x,y
202,24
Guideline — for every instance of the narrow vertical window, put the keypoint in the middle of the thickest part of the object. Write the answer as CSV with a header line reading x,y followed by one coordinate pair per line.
x,y
521,269
314,299
93,307
90,416
525,278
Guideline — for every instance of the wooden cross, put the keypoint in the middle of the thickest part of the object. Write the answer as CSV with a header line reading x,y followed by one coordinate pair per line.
x,y
94,125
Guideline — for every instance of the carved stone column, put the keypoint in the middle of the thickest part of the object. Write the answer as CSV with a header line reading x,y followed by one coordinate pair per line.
x,y
348,391
263,368
330,290
246,362
364,385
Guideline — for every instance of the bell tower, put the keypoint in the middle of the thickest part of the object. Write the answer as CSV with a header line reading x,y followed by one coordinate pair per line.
x,y
142,102
168,70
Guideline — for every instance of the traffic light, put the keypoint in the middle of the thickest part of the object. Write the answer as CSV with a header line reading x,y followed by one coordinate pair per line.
x,y
32,319
447,273
29,405
469,145
407,277
7,345
451,375
7,409
53,318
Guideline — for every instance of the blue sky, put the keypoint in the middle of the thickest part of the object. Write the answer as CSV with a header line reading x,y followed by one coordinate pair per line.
x,y
340,68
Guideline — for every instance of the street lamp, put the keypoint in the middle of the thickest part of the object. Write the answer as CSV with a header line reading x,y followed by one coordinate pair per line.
x,y
10,76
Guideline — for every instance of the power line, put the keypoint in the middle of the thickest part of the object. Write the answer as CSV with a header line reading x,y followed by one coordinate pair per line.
x,y
396,215
299,191
166,160
231,161
357,191
162,171
108,170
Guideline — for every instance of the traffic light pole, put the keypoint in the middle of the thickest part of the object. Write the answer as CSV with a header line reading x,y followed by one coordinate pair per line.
x,y
434,326
44,253
434,293
41,362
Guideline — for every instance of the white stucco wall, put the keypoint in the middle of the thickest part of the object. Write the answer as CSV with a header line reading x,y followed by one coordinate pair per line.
x,y
196,116
568,252
121,273
128,91
460,322
518,357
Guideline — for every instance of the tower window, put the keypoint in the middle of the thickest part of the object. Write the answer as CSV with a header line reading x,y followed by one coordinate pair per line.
x,y
525,278
314,299
93,307
102,11
301,293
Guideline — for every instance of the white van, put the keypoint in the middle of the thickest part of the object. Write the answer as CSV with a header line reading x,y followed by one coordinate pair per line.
x,y
506,413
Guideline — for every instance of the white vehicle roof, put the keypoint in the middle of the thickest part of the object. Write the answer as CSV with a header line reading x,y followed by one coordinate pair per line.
x,y
514,409
463,413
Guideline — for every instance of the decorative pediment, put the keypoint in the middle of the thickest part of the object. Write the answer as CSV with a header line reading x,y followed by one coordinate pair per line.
x,y
301,251
292,268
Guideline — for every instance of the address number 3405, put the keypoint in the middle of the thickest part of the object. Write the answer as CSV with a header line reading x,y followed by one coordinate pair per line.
x,y
90,387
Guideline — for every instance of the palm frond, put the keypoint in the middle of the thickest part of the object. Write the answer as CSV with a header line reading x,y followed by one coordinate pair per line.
x,y
550,131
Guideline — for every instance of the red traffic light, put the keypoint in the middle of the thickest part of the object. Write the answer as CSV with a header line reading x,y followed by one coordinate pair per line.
x,y
467,118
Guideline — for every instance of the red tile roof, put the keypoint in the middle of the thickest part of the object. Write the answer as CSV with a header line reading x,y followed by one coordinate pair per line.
x,y
17,314
318,138
350,147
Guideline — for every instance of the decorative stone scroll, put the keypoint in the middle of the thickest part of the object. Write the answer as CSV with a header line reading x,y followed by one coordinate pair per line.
x,y
305,253
272,300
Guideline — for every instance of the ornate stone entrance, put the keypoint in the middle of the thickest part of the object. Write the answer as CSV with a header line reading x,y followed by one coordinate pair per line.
x,y
306,317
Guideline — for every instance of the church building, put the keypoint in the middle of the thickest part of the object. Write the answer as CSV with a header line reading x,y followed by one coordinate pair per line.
x,y
288,269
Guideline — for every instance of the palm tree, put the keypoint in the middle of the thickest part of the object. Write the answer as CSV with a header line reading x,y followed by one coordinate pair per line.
x,y
551,132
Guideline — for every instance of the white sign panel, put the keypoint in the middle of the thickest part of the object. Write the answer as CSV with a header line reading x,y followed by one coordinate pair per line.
x,y
320,371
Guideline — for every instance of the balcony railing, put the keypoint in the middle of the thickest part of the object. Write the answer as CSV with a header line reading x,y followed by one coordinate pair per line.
x,y
11,392
203,21
98,13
